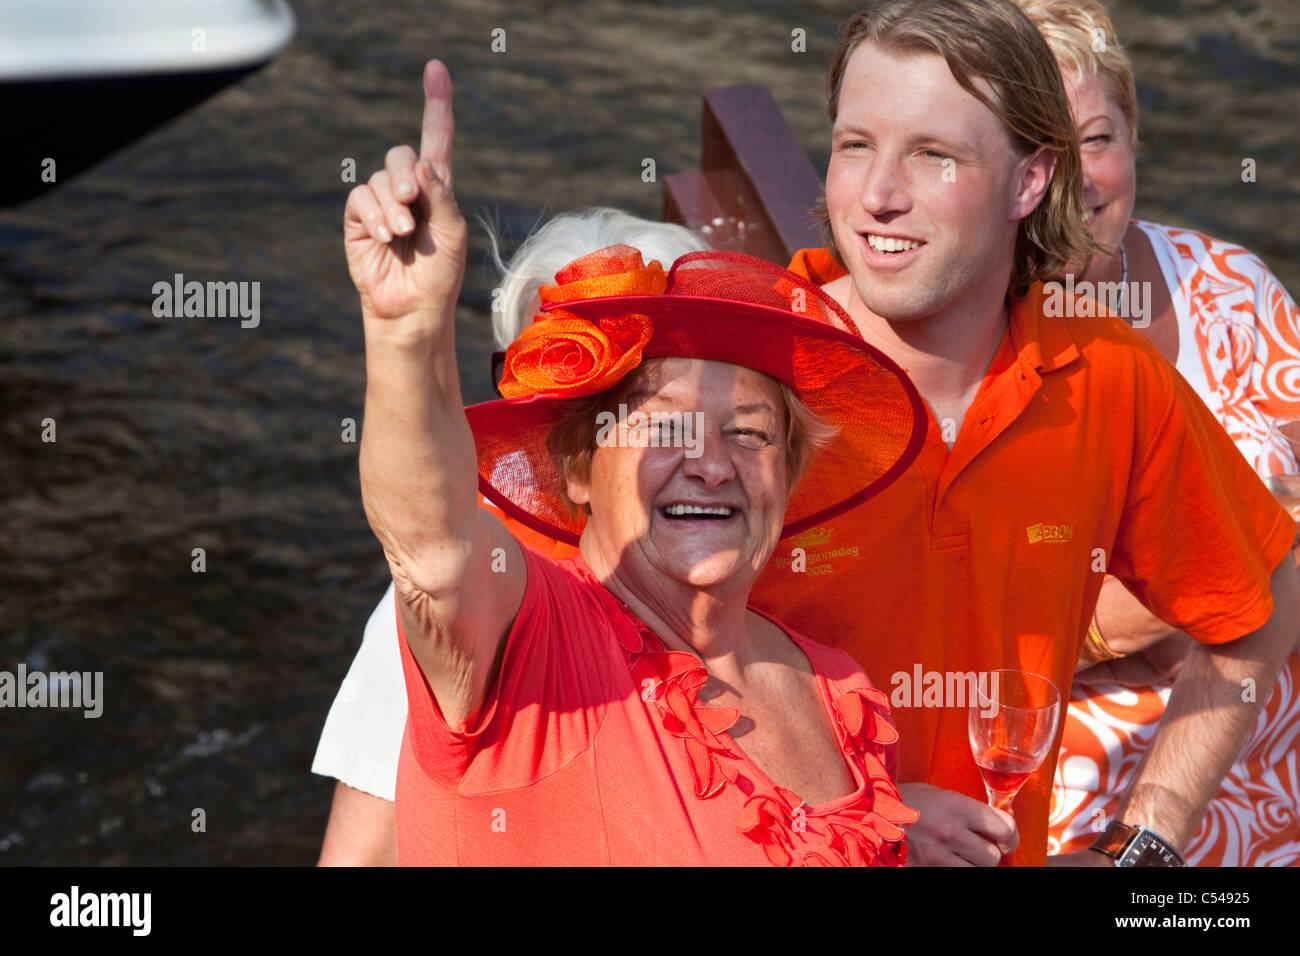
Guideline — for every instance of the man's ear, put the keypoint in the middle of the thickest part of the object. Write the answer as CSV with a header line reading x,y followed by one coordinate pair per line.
x,y
1033,177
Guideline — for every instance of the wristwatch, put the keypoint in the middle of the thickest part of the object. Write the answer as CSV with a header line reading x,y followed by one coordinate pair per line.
x,y
1136,846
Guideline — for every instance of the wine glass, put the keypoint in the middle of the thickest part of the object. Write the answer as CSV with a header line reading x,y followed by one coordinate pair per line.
x,y
1012,725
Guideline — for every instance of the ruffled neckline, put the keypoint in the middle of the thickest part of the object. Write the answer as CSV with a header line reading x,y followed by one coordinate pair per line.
x,y
862,828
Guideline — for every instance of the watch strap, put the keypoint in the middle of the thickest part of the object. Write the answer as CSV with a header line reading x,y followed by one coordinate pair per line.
x,y
1114,839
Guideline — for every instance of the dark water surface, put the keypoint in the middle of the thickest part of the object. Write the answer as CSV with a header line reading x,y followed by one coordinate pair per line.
x,y
176,434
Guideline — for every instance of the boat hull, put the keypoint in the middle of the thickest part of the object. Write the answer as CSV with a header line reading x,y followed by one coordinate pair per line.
x,y
78,81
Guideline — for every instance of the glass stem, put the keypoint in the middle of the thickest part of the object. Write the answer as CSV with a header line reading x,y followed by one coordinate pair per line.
x,y
1001,799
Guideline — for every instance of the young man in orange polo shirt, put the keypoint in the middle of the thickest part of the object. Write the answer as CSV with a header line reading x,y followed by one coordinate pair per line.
x,y
1059,449
1050,448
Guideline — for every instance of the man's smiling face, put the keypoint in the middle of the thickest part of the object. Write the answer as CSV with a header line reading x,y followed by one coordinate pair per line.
x,y
924,189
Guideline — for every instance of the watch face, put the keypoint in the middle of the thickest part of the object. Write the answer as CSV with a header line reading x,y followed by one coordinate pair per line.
x,y
1149,851
1135,846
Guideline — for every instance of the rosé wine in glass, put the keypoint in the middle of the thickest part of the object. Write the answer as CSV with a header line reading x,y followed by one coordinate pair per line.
x,y
1012,725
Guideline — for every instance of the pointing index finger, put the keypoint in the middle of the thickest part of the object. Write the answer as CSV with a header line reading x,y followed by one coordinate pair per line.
x,y
437,129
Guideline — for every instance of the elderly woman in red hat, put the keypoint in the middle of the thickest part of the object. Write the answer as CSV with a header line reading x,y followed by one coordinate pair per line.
x,y
624,706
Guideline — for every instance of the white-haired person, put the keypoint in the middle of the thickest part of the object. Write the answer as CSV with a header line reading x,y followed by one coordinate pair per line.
x,y
1218,313
625,706
362,737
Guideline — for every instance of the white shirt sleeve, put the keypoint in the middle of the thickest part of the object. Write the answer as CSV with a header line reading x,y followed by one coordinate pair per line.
x,y
362,738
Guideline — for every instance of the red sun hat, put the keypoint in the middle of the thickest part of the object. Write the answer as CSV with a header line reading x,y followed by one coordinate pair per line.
x,y
609,312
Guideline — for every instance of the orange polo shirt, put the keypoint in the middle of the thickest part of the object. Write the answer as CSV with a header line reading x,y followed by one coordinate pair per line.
x,y
1083,452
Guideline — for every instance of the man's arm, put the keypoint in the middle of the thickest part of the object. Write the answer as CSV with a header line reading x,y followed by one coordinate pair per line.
x,y
362,830
1212,710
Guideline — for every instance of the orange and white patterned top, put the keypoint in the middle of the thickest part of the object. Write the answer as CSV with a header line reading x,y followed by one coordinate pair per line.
x,y
1246,367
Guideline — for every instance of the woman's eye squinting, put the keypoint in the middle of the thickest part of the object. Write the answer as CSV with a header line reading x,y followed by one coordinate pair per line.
x,y
751,437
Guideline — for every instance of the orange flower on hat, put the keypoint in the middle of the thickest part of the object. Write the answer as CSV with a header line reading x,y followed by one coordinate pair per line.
x,y
564,354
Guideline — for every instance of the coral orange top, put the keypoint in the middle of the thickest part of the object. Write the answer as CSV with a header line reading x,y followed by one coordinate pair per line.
x,y
1083,452
592,748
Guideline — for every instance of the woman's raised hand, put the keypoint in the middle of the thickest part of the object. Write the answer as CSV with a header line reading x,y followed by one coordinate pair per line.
x,y
405,241
403,234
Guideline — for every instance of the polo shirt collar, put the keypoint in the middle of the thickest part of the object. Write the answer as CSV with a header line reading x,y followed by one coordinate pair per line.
x,y
1043,342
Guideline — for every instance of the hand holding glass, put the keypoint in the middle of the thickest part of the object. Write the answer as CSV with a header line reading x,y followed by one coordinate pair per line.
x,y
1012,725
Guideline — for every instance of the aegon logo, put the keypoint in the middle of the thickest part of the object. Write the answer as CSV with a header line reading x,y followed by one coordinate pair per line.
x,y
1043,533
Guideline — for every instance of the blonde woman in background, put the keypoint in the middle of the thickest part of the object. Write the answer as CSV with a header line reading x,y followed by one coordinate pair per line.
x,y
1223,319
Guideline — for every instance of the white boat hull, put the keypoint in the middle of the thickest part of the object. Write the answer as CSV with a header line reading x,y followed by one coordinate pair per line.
x,y
66,39
79,79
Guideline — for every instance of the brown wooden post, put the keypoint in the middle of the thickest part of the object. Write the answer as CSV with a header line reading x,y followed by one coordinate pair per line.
x,y
756,186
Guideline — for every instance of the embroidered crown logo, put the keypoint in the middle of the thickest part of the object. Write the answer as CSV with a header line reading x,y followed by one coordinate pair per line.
x,y
813,537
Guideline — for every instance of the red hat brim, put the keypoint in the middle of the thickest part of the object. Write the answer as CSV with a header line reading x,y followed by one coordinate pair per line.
x,y
852,386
